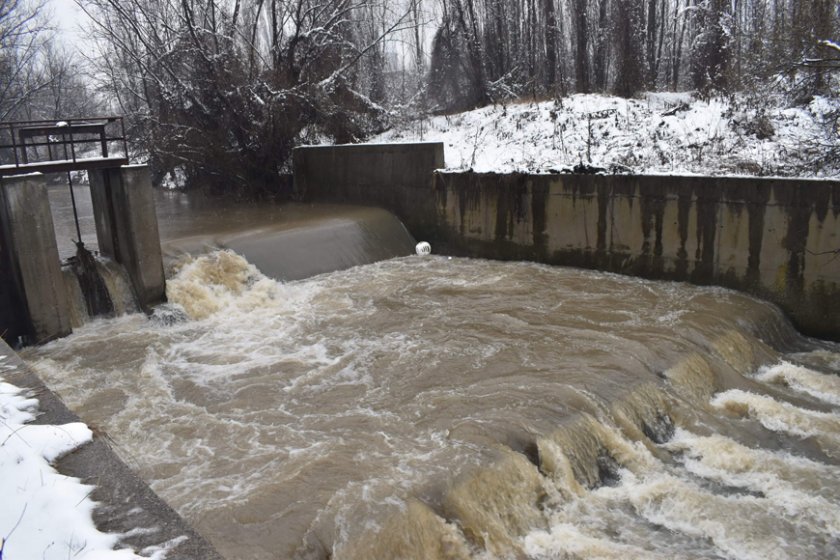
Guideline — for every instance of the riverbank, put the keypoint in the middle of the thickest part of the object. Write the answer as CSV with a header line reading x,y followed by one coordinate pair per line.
x,y
657,133
124,508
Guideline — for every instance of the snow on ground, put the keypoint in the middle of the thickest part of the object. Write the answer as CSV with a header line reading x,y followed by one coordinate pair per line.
x,y
659,133
43,514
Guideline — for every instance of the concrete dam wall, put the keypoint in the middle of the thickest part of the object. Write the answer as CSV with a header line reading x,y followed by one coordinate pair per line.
x,y
397,177
777,239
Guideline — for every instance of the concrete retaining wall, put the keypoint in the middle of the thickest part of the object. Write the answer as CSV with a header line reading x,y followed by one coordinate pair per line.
x,y
777,239
13,318
127,228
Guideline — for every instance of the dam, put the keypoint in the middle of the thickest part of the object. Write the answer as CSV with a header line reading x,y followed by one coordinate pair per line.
x,y
437,407
313,389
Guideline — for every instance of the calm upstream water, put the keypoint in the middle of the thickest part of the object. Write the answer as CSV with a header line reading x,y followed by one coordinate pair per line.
x,y
455,408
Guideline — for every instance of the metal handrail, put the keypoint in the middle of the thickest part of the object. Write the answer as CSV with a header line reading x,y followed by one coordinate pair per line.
x,y
62,134
109,118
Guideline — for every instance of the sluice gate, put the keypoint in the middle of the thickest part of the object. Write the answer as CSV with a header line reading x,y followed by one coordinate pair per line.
x,y
36,304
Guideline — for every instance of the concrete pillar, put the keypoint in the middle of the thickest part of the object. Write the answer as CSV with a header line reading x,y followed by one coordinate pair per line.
x,y
127,228
33,255
13,320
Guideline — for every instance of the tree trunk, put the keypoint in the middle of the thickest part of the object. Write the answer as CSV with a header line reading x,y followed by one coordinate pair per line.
x,y
650,44
581,48
602,48
550,45
628,24
680,20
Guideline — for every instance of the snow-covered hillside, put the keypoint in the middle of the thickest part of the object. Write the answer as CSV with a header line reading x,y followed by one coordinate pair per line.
x,y
660,133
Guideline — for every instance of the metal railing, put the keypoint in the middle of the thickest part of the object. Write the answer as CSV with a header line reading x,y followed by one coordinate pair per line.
x,y
61,145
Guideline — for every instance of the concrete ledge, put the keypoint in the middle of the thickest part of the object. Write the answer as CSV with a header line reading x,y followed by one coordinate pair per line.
x,y
125,502
316,242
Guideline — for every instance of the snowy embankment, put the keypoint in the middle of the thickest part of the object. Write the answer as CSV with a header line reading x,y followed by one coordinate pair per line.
x,y
44,514
659,133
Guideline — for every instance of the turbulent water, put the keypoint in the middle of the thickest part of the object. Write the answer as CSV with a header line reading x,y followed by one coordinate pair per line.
x,y
453,408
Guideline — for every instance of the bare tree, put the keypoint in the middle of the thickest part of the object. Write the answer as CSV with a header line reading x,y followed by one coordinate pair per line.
x,y
582,79
712,50
66,91
225,90
603,43
551,45
22,36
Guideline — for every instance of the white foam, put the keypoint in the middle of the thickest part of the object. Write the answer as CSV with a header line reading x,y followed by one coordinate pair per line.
x,y
564,539
824,387
721,499
806,491
744,527
782,416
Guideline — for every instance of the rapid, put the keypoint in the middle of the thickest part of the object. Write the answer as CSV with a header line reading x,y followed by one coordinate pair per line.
x,y
428,407
434,407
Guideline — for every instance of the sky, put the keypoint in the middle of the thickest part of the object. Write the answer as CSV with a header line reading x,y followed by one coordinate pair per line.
x,y
67,16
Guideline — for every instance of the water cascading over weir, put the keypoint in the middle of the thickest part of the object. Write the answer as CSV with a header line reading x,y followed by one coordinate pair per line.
x,y
42,297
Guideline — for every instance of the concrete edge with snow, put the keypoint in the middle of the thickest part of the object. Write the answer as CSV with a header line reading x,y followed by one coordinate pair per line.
x,y
66,493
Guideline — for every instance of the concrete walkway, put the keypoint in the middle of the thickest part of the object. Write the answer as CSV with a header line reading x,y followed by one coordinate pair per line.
x,y
125,502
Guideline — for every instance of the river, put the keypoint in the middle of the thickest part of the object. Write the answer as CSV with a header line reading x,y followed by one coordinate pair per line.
x,y
428,407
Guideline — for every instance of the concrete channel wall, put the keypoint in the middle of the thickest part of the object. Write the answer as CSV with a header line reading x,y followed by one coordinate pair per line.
x,y
776,239
35,283
127,228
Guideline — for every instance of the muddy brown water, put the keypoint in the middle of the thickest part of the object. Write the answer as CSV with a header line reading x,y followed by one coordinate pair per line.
x,y
427,407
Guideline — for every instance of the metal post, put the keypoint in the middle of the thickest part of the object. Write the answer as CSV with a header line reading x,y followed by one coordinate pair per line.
x,y
14,144
125,142
23,147
72,145
75,212
102,141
